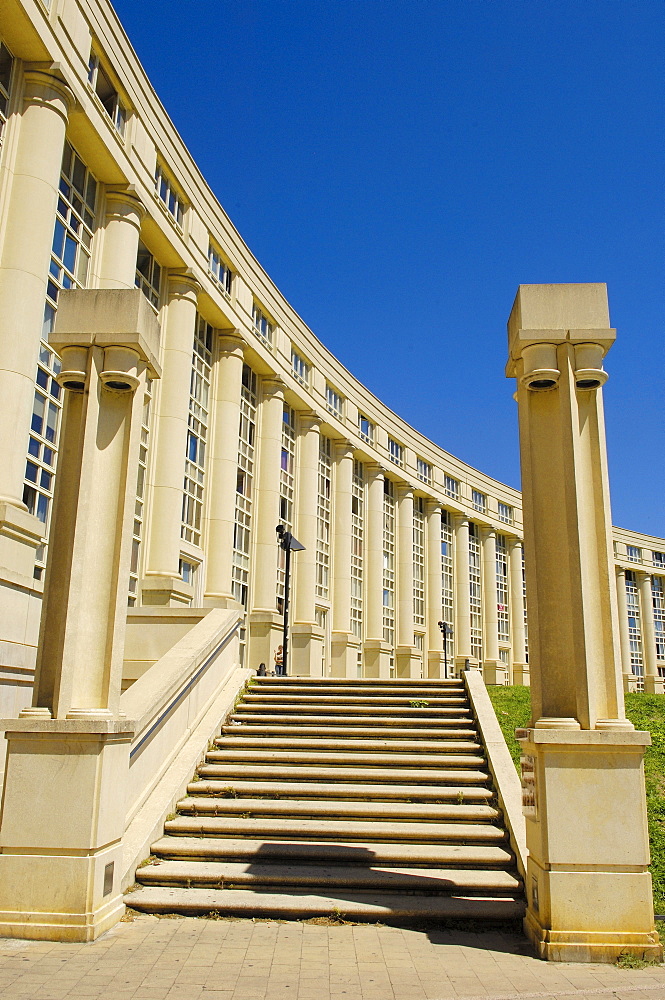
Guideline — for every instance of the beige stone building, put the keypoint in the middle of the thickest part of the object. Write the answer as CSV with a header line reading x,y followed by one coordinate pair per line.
x,y
253,422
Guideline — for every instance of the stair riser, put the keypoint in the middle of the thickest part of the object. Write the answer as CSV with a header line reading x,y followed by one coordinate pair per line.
x,y
296,790
418,777
407,812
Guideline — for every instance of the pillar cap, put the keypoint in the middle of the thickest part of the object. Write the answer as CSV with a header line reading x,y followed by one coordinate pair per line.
x,y
183,283
46,82
125,197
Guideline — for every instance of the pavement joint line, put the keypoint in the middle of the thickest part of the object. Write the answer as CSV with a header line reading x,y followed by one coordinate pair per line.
x,y
599,992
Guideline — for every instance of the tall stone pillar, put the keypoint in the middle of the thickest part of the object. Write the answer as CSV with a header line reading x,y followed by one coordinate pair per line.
x,y
163,584
377,652
517,630
653,683
265,624
30,216
124,212
223,473
493,670
306,635
624,637
588,884
60,878
462,595
408,661
435,659
344,645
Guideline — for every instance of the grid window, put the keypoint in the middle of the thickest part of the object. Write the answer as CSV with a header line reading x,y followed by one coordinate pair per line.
x,y
357,547
658,558
395,452
475,593
262,326
286,493
447,612
139,511
389,561
424,470
658,600
169,197
418,640
451,487
323,515
6,67
244,487
365,429
419,561
148,275
197,434
634,629
101,84
300,367
188,571
334,402
505,513
526,625
219,270
633,553
479,501
502,590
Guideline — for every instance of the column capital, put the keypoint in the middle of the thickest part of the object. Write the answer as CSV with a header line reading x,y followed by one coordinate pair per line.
x,y
488,531
309,420
404,491
272,387
183,285
125,203
374,470
433,506
343,449
460,520
231,342
44,84
642,574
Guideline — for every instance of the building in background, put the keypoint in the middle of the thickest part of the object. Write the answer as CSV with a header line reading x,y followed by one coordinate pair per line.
x,y
253,424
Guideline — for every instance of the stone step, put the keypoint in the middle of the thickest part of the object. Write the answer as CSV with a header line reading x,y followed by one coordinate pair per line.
x,y
344,852
339,790
284,771
357,759
317,707
296,722
241,740
353,700
353,684
367,906
355,732
333,829
229,874
413,812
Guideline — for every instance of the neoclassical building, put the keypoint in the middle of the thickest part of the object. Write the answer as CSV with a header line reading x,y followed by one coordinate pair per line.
x,y
252,424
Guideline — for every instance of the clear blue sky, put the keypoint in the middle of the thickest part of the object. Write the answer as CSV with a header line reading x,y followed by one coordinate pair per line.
x,y
399,167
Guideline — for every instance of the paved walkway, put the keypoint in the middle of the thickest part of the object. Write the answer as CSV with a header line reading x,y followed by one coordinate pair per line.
x,y
183,958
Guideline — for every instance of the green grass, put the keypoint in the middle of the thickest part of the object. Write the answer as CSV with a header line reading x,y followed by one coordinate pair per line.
x,y
646,711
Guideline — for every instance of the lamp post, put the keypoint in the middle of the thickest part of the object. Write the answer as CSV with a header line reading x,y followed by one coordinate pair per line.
x,y
290,544
446,630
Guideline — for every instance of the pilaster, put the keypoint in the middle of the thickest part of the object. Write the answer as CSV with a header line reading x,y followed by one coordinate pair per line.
x,y
653,683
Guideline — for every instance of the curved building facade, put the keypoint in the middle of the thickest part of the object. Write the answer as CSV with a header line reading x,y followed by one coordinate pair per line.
x,y
252,424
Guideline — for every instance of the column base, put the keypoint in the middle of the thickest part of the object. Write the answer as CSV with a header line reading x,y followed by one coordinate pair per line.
x,y
219,601
436,667
166,592
376,655
591,946
521,675
344,654
21,534
266,631
495,672
654,685
306,650
408,662
463,663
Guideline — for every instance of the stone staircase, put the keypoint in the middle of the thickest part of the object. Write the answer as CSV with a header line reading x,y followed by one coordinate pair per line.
x,y
366,799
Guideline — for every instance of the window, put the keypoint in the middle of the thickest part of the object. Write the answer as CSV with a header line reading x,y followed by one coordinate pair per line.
x,y
365,429
187,571
334,402
424,470
6,67
502,588
42,447
633,554
658,558
419,561
505,513
475,593
107,94
148,275
658,600
395,452
451,487
357,547
167,194
389,561
418,640
286,493
634,630
137,529
300,367
323,513
219,271
263,328
479,501
197,434
244,487
447,578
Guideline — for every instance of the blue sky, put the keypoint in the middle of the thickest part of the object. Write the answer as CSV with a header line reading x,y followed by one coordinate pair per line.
x,y
399,167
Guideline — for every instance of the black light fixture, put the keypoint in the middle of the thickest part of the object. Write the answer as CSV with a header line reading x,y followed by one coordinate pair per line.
x,y
289,543
446,630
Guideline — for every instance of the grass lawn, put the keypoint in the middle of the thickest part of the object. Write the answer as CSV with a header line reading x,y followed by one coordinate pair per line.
x,y
646,711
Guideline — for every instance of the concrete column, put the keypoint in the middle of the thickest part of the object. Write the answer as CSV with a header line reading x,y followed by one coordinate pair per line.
x,y
29,215
344,645
462,594
624,637
265,624
493,671
222,472
408,662
653,682
587,879
162,584
376,651
124,213
435,661
306,636
517,630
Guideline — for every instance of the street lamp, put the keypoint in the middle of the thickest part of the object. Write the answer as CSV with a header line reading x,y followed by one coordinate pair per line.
x,y
446,630
290,544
